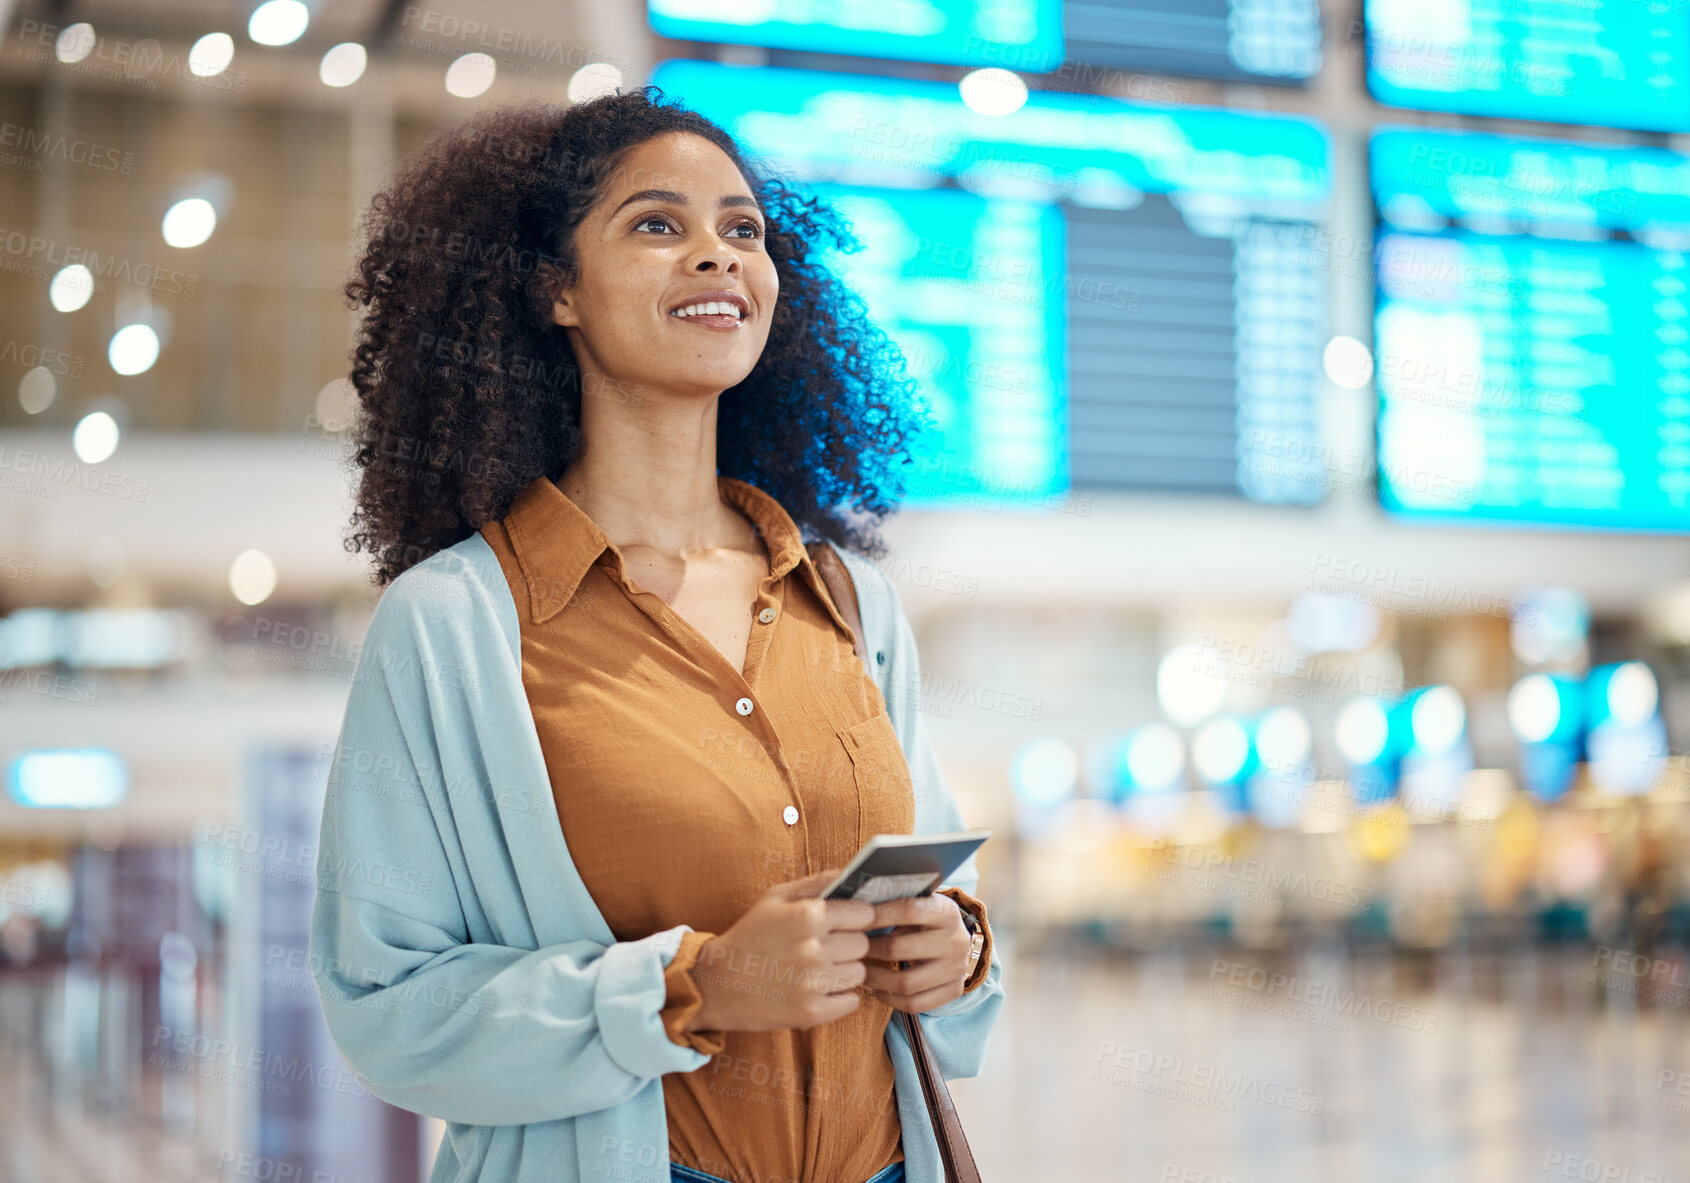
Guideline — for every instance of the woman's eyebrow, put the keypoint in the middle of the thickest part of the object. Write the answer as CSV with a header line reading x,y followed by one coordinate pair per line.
x,y
675,198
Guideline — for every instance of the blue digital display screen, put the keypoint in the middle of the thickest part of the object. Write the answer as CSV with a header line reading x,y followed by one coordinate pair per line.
x,y
1091,149
1531,366
1621,63
1509,184
970,290
1091,293
1534,380
1021,35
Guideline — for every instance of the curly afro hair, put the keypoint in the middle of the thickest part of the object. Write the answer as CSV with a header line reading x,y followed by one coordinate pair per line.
x,y
467,391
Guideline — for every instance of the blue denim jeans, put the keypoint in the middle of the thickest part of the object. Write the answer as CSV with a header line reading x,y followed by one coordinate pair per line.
x,y
679,1173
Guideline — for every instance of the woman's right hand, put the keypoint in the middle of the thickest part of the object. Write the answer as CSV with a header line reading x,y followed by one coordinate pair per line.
x,y
793,960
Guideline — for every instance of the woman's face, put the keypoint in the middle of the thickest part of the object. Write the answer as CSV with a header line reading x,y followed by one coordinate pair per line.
x,y
677,221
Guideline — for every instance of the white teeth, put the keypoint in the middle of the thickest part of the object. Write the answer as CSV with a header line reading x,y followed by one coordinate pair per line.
x,y
710,308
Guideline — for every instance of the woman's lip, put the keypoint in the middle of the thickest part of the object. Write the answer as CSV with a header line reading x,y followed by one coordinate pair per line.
x,y
720,321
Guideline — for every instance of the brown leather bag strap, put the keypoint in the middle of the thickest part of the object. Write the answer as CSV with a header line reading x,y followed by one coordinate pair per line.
x,y
947,1125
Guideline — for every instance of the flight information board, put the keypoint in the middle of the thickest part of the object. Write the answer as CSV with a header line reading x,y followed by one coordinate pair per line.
x,y
1016,34
1103,295
1622,63
1253,40
1538,377
1423,179
1245,40
970,289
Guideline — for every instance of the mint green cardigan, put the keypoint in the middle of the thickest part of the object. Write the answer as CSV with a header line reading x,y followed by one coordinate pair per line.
x,y
465,971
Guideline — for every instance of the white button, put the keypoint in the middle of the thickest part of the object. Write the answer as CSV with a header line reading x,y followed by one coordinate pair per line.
x,y
790,813
743,706
766,615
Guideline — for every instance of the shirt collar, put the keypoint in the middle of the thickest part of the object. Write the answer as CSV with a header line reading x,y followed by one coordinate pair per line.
x,y
556,543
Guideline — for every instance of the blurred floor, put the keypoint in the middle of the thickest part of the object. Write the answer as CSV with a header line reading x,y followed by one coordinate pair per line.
x,y
1198,1067
1512,1068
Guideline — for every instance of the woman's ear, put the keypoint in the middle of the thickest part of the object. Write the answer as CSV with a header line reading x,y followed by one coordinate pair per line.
x,y
552,285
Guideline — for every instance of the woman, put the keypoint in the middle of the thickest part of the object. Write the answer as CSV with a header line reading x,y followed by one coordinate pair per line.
x,y
608,738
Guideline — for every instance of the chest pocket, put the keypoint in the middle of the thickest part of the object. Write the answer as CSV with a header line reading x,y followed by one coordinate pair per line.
x,y
885,798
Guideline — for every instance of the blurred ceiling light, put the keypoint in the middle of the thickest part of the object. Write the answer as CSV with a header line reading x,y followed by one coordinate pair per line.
x,y
993,91
1632,694
69,778
36,390
278,22
189,223
1190,685
1045,771
1549,624
471,75
1437,720
71,288
343,65
107,562
74,43
211,55
127,638
1318,622
337,402
1348,362
29,636
1155,757
133,350
1283,739
252,577
1534,708
1220,750
95,437
592,81
1361,730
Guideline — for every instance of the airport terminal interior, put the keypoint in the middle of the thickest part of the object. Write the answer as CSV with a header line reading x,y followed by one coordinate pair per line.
x,y
1298,553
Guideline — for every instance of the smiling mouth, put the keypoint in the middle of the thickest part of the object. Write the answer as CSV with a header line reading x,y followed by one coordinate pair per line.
x,y
714,310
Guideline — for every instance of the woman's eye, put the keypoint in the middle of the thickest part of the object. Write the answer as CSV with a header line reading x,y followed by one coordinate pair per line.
x,y
659,220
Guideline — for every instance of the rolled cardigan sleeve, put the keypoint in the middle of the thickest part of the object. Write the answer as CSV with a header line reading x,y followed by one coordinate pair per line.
x,y
977,908
429,1018
959,1030
683,999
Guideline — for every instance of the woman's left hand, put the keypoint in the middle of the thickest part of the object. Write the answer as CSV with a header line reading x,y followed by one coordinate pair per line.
x,y
931,940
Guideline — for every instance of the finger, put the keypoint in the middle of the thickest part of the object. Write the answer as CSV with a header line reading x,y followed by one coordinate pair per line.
x,y
918,944
844,945
893,912
807,887
840,976
919,976
837,1006
850,915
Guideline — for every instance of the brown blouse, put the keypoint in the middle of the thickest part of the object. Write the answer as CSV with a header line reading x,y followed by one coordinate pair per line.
x,y
685,788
